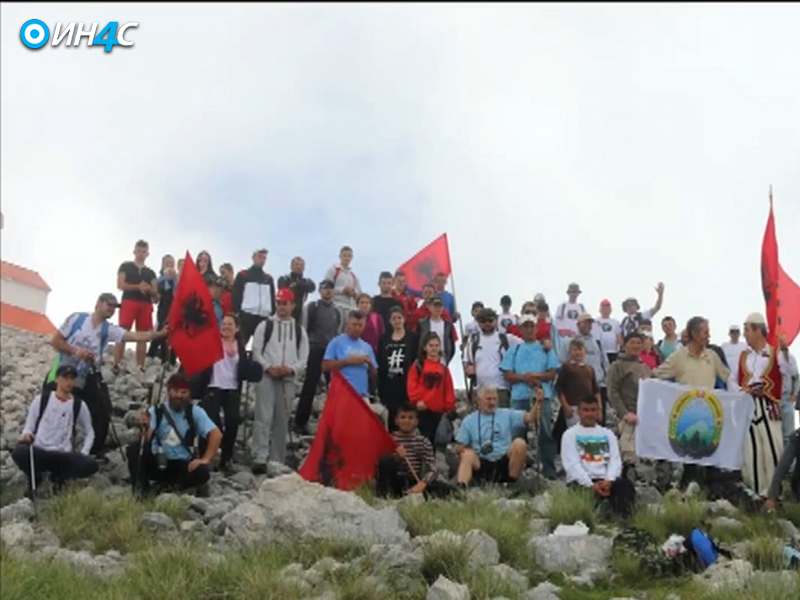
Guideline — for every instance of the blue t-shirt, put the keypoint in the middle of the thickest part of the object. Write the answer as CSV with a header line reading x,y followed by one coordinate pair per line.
x,y
170,442
497,428
529,357
343,346
448,301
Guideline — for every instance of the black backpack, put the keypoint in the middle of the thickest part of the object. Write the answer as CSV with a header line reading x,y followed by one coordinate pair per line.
x,y
312,313
187,440
270,326
45,398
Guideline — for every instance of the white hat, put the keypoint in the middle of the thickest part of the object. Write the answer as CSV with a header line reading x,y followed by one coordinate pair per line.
x,y
526,318
585,317
755,319
734,327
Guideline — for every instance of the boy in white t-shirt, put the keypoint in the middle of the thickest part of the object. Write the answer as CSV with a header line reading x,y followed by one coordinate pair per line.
x,y
608,331
506,318
591,458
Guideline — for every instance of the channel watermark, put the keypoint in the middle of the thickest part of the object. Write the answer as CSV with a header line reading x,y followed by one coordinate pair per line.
x,y
35,34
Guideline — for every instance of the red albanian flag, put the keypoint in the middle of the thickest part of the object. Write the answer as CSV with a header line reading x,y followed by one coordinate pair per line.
x,y
781,293
193,331
350,440
425,264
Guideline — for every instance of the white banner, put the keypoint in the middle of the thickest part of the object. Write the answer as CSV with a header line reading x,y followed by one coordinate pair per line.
x,y
687,424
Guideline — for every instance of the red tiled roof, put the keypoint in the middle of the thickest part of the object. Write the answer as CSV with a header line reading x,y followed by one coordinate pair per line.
x,y
22,275
19,318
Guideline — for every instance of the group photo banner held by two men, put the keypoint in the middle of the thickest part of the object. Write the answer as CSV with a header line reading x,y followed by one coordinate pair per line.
x,y
681,423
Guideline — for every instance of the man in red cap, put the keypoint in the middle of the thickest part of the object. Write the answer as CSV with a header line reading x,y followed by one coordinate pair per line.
x,y
280,344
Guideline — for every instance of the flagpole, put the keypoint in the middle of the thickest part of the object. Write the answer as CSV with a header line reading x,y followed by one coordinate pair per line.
x,y
460,323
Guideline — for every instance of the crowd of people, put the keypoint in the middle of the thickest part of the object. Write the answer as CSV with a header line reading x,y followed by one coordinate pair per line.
x,y
567,377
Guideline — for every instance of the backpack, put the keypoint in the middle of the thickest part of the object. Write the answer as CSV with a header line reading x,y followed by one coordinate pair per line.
x,y
474,344
45,398
188,440
270,326
76,327
704,548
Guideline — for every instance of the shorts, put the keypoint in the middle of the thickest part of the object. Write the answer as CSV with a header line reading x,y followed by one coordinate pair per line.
x,y
136,311
493,471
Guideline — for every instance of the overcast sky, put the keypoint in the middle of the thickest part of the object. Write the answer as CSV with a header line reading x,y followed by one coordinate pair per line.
x,y
614,146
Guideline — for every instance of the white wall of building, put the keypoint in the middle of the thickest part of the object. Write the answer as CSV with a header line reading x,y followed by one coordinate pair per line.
x,y
24,296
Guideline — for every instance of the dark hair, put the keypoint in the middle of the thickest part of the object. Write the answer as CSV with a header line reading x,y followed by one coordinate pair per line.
x,y
477,304
588,399
542,307
357,315
396,309
385,275
406,407
141,244
348,248
576,343
178,380
631,335
228,266
428,284
505,300
667,318
645,322
399,272
363,295
210,264
693,326
424,342
232,316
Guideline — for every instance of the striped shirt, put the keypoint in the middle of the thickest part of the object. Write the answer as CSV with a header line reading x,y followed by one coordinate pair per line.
x,y
419,453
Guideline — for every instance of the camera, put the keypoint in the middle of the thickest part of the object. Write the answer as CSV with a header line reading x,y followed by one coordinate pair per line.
x,y
487,448
161,461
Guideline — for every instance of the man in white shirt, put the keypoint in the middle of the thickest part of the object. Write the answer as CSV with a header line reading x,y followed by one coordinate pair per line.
x,y
567,313
590,455
733,350
608,331
50,429
484,352
506,318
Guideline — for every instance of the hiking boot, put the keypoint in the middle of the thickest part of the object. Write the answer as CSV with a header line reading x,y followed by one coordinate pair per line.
x,y
259,468
203,491
227,468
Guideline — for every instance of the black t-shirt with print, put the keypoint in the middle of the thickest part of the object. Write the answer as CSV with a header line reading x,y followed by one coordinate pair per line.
x,y
134,275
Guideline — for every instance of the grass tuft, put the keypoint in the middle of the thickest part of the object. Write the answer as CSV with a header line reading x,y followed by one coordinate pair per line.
x,y
678,516
765,553
571,505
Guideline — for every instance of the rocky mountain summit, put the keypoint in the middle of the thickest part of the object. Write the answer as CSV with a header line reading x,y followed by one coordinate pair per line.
x,y
283,537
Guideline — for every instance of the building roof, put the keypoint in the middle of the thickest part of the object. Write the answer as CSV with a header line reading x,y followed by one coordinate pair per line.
x,y
22,275
27,320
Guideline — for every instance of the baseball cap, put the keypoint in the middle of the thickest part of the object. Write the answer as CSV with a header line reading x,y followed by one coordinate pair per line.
x,y
66,371
260,251
539,297
436,300
755,319
284,295
326,283
178,381
527,319
605,302
585,317
734,327
573,288
109,298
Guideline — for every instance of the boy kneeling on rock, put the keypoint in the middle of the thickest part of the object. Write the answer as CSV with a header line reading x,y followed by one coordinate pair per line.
x,y
170,429
590,454
49,433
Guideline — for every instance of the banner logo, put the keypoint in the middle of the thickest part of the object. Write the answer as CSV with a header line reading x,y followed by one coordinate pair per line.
x,y
695,424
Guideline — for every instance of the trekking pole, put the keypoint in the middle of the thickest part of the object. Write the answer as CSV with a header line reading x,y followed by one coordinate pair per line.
x,y
33,481
98,378
142,440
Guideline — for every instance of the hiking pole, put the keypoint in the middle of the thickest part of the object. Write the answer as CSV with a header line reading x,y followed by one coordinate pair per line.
x,y
33,481
137,480
99,391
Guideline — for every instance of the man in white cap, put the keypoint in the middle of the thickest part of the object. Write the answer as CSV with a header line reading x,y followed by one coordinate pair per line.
x,y
760,376
733,350
568,312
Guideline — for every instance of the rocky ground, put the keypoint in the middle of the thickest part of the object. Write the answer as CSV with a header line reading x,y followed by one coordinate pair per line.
x,y
491,544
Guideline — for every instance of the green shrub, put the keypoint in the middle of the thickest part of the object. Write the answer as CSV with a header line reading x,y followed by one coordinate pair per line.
x,y
448,559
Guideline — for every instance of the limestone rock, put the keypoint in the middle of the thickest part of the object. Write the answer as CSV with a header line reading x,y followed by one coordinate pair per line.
x,y
542,504
512,576
290,507
21,510
444,589
18,535
543,591
728,575
157,522
483,550
571,554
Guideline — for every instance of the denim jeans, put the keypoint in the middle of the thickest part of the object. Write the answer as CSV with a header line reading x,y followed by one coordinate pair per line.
x,y
546,443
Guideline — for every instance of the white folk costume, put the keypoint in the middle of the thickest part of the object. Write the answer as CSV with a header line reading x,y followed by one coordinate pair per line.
x,y
764,444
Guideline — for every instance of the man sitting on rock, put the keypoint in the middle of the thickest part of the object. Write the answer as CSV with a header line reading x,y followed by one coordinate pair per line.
x,y
486,449
50,428
591,459
171,429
